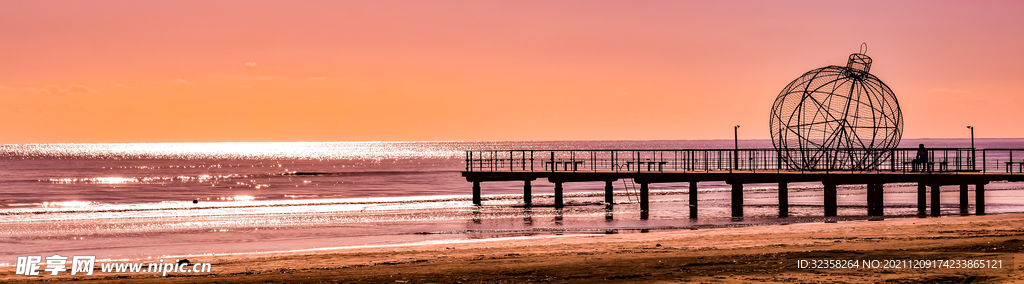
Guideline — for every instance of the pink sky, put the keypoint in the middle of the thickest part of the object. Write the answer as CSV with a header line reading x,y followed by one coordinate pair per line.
x,y
207,71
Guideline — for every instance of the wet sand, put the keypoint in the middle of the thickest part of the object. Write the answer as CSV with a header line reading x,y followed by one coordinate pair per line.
x,y
768,253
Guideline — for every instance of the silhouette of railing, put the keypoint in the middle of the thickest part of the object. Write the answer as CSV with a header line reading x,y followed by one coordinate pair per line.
x,y
757,160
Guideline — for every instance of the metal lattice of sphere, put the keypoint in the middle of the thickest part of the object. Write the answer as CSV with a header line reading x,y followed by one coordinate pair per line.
x,y
836,118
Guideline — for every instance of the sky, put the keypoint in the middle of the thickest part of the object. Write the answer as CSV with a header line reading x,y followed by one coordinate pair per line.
x,y
234,71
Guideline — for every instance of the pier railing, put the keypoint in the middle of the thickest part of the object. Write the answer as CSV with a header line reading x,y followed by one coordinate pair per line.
x,y
756,160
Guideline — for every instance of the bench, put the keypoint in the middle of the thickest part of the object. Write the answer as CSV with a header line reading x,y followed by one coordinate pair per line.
x,y
562,164
1009,166
650,165
928,166
925,166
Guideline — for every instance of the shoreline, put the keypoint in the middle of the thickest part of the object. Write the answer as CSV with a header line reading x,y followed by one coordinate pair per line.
x,y
767,253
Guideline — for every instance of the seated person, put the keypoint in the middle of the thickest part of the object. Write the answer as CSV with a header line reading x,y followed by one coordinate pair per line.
x,y
922,158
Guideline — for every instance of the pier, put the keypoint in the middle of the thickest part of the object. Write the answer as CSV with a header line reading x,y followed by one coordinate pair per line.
x,y
945,167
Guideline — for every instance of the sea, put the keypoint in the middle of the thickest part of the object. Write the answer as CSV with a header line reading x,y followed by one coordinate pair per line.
x,y
166,200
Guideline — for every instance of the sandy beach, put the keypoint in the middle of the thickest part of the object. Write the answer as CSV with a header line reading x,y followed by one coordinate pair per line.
x,y
768,253
511,141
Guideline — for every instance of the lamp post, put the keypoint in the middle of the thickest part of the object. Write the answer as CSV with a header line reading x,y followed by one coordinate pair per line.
x,y
973,154
736,149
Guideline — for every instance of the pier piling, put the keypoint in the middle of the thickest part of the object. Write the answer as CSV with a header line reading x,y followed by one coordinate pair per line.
x,y
871,199
880,202
963,199
737,199
527,193
558,194
693,200
476,193
979,199
783,200
644,200
936,200
831,205
922,199
876,199
609,194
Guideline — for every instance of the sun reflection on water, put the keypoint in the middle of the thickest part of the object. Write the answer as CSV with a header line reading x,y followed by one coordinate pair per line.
x,y
241,150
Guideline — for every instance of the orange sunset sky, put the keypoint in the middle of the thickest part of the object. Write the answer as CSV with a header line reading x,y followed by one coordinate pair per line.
x,y
211,71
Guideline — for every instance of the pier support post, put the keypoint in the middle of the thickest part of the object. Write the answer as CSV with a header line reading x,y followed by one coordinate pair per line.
x,y
783,200
871,199
558,194
936,200
880,202
876,199
476,193
963,199
979,199
737,200
693,200
644,200
831,204
609,194
922,199
527,193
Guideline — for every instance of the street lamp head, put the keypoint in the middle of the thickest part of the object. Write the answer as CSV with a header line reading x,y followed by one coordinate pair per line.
x,y
970,127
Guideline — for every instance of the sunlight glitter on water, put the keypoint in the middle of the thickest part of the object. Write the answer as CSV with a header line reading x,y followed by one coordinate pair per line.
x,y
240,150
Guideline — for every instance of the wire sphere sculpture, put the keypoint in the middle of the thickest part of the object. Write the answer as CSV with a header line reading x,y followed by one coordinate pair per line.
x,y
836,118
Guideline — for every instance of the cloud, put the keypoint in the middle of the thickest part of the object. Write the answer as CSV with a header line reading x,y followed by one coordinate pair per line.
x,y
317,78
70,90
76,90
123,86
262,78
250,64
181,81
4,88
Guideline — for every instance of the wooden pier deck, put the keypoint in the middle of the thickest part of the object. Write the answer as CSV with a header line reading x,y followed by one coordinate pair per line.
x,y
952,166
